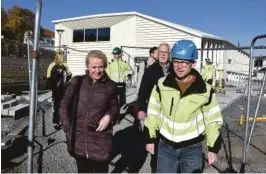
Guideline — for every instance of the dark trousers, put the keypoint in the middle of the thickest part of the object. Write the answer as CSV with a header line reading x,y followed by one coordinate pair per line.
x,y
209,81
57,95
121,87
85,165
153,162
122,93
154,157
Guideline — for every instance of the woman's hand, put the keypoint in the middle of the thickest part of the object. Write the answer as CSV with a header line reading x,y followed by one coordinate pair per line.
x,y
104,122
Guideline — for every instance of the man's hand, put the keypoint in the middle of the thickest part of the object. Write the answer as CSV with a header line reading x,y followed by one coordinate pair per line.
x,y
212,158
141,115
150,148
104,122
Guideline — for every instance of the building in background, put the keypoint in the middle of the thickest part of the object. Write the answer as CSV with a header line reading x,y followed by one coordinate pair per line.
x,y
136,33
47,38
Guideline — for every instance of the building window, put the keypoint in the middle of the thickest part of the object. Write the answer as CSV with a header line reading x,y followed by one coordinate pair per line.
x,y
78,35
229,61
90,35
258,63
104,34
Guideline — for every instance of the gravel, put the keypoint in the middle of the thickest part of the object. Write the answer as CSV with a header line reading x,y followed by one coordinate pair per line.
x,y
51,156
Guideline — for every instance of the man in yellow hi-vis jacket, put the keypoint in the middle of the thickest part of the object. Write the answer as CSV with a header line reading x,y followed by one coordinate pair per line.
x,y
208,72
182,111
119,71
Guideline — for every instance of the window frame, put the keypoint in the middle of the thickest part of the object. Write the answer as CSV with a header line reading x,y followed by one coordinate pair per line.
x,y
97,35
73,35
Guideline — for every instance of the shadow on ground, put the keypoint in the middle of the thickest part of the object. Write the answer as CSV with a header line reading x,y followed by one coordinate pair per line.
x,y
18,148
130,144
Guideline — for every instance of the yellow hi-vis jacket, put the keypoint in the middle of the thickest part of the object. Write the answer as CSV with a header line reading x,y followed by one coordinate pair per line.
x,y
50,67
208,72
118,70
180,118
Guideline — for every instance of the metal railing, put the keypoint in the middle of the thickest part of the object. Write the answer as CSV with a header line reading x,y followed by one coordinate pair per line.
x,y
249,136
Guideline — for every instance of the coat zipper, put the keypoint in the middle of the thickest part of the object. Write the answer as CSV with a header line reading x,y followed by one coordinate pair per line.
x,y
118,68
86,118
87,155
171,108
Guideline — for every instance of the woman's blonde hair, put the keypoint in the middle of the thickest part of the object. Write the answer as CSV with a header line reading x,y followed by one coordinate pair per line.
x,y
59,59
96,54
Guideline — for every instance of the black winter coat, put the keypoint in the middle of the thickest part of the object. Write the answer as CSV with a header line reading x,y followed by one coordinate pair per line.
x,y
150,77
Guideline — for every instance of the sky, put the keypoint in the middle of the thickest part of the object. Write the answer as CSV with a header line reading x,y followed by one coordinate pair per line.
x,y
234,20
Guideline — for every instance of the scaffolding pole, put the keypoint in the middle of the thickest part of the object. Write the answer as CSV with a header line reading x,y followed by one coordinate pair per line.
x,y
33,89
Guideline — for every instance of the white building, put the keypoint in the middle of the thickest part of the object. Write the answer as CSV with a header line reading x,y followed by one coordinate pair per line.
x,y
261,69
136,33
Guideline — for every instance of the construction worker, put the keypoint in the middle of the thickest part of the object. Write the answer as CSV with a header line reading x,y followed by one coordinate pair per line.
x,y
220,82
153,56
119,71
58,75
208,72
184,110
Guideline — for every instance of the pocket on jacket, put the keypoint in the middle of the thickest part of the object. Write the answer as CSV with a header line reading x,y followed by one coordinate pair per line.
x,y
99,145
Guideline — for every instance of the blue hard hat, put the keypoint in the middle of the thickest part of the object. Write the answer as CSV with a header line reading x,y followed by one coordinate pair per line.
x,y
185,50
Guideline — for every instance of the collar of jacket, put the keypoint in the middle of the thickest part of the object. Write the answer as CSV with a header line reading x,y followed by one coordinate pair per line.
x,y
117,60
101,80
157,64
198,86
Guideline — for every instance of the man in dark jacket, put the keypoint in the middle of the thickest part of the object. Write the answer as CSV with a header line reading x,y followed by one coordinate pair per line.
x,y
97,106
151,75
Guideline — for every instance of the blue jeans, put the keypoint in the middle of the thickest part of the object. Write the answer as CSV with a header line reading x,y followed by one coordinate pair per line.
x,y
188,159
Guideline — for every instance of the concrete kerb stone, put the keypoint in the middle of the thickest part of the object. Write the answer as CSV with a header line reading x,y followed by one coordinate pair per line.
x,y
18,111
7,97
23,97
9,104
41,97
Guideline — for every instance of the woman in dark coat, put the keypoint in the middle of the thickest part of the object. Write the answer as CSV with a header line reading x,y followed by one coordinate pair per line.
x,y
97,107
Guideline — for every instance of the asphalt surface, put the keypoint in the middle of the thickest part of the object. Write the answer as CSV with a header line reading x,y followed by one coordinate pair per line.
x,y
51,156
231,154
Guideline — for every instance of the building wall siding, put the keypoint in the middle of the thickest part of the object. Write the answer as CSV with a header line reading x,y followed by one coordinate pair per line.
x,y
138,31
122,33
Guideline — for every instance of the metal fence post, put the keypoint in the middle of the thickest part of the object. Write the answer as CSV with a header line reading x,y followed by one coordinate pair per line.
x,y
242,169
29,58
34,85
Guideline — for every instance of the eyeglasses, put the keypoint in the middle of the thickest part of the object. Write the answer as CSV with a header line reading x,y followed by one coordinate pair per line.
x,y
183,64
163,52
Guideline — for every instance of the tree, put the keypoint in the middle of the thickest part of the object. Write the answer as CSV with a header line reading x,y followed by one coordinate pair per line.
x,y
19,21
4,18
16,22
